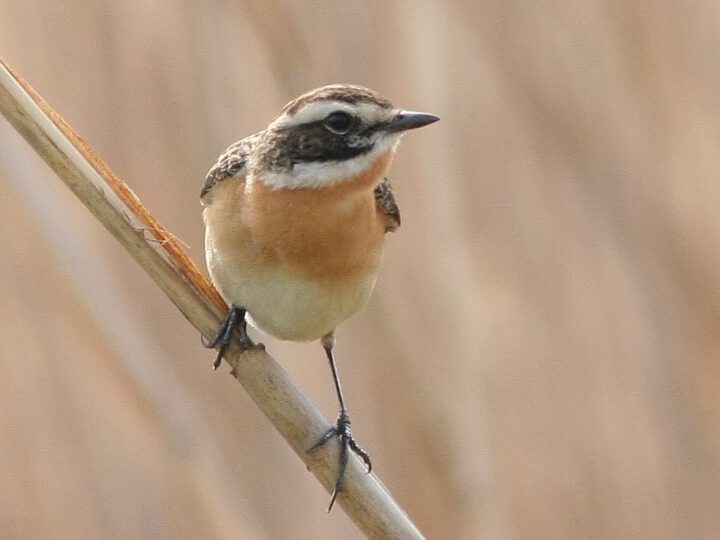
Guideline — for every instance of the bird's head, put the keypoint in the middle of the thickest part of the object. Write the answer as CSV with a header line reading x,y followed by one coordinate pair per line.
x,y
329,135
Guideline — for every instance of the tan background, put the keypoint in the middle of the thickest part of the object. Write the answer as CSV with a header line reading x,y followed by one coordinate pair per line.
x,y
541,355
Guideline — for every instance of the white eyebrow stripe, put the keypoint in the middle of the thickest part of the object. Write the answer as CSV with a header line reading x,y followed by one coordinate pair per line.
x,y
318,110
314,112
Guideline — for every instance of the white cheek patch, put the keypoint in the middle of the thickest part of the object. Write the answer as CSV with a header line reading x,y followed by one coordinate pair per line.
x,y
317,174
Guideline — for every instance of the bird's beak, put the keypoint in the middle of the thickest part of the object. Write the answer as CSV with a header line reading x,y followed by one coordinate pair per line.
x,y
405,120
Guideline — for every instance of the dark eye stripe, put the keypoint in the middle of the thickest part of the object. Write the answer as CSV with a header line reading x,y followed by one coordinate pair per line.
x,y
315,143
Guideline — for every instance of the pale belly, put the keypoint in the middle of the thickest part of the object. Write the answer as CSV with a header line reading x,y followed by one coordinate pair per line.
x,y
285,305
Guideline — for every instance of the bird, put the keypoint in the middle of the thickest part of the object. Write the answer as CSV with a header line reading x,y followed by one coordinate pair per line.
x,y
295,221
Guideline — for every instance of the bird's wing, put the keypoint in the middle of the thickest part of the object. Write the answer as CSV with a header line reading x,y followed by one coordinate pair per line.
x,y
232,162
386,205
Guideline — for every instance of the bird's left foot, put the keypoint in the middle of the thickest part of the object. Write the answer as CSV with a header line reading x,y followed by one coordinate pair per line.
x,y
235,319
341,429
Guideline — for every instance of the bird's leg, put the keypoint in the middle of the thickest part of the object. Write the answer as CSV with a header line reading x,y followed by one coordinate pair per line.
x,y
341,429
235,319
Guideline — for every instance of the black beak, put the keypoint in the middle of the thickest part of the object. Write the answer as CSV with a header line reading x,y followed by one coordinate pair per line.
x,y
405,120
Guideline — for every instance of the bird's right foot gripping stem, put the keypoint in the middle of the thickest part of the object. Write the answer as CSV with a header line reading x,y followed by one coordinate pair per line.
x,y
235,319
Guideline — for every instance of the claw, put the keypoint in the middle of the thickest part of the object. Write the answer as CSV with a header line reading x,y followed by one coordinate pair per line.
x,y
341,429
362,454
235,319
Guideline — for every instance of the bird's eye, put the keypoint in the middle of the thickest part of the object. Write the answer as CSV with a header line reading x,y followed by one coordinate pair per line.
x,y
338,122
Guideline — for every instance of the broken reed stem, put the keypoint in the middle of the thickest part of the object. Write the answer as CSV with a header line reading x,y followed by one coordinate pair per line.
x,y
364,498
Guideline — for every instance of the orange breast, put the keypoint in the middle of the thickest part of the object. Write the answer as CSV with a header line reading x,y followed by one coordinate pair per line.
x,y
330,234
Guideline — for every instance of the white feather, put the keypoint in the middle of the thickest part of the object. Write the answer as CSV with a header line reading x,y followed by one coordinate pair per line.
x,y
326,173
318,110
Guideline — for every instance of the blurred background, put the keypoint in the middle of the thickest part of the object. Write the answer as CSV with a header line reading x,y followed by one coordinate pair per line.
x,y
541,357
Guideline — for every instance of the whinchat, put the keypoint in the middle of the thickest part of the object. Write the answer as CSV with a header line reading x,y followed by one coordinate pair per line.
x,y
295,219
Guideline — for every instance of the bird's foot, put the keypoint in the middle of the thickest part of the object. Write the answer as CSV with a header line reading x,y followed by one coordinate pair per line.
x,y
235,319
341,429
